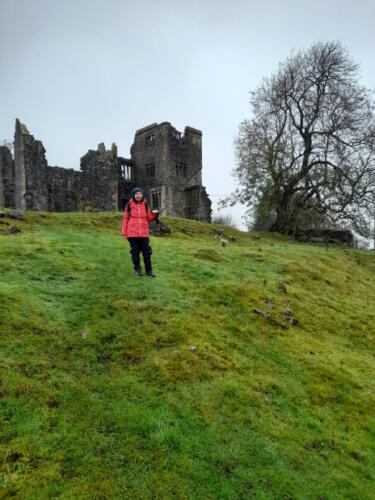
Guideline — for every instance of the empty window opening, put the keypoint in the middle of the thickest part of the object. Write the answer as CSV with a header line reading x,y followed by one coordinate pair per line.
x,y
181,170
176,135
150,139
126,172
156,200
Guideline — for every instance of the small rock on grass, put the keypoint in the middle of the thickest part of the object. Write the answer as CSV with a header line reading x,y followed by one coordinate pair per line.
x,y
269,318
13,214
259,311
192,347
287,312
84,335
11,230
176,352
269,303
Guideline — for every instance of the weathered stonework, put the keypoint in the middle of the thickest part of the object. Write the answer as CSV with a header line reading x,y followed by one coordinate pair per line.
x,y
30,171
6,178
99,179
169,168
63,189
164,162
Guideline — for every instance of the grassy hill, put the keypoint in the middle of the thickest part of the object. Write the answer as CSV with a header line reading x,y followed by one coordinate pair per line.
x,y
114,386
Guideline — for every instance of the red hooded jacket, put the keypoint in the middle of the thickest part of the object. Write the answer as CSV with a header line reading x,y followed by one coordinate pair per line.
x,y
135,223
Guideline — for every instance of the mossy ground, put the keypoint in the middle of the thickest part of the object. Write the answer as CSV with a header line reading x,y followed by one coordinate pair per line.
x,y
95,403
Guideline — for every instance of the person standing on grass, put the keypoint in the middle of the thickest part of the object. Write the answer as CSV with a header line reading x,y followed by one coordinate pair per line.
x,y
137,215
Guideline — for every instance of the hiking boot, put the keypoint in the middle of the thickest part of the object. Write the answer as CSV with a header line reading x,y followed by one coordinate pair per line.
x,y
150,273
138,272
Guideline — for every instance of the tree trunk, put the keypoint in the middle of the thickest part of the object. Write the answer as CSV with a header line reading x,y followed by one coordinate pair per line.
x,y
284,222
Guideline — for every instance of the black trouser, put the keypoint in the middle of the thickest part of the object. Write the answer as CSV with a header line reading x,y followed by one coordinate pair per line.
x,y
138,245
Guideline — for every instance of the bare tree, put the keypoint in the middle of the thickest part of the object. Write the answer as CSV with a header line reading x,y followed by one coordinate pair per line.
x,y
310,143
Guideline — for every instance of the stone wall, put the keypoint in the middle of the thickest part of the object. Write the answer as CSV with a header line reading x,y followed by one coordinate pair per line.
x,y
30,171
99,179
64,186
6,178
198,204
181,167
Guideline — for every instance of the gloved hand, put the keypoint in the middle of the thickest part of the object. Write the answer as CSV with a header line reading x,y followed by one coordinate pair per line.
x,y
156,212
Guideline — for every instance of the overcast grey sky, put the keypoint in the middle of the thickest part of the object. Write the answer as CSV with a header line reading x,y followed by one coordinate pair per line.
x,y
79,72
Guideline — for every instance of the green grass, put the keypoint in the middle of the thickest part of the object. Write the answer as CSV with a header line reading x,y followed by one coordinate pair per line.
x,y
95,403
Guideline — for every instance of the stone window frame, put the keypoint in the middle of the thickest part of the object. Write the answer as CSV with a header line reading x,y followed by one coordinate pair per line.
x,y
177,135
197,143
150,170
126,172
181,170
150,139
192,199
156,200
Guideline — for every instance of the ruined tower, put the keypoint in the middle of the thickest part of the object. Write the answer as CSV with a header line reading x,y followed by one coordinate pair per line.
x,y
169,167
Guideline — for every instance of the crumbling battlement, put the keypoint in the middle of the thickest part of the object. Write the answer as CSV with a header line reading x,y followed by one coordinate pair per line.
x,y
166,163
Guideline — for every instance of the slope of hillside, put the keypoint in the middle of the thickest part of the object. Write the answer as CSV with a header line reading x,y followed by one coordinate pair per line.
x,y
239,372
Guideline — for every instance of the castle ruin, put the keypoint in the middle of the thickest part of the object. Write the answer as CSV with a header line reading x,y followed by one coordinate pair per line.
x,y
164,162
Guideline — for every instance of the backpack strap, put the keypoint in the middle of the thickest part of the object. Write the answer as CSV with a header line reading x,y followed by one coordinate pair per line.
x,y
128,207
